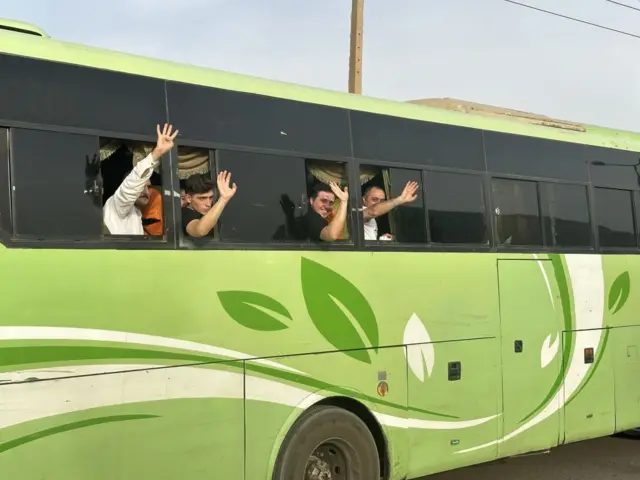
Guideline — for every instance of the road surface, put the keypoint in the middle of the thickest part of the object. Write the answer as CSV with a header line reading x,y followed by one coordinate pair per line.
x,y
610,458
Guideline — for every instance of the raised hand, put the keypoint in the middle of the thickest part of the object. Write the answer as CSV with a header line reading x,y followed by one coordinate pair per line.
x,y
409,193
286,203
165,140
224,181
343,196
92,166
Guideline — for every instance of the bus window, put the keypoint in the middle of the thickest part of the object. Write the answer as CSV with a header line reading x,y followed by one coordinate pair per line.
x,y
614,214
271,188
117,157
393,205
565,210
517,212
457,208
49,177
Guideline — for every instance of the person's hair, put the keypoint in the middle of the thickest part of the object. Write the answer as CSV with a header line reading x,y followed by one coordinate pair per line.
x,y
182,183
198,184
369,188
320,187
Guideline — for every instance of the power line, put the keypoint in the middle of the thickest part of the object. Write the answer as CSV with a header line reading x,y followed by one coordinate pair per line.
x,y
624,5
621,32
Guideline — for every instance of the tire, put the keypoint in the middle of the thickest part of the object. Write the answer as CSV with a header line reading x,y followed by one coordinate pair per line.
x,y
341,444
633,433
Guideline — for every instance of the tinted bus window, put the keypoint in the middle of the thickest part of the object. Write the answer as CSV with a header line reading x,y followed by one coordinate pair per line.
x,y
271,189
405,222
456,207
38,91
613,168
517,212
566,215
614,214
48,176
535,157
236,118
394,139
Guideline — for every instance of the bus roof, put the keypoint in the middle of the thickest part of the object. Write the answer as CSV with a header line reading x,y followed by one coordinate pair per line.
x,y
21,27
16,43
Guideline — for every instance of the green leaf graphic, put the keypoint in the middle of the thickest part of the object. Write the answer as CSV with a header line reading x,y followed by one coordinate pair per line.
x,y
242,306
619,292
321,288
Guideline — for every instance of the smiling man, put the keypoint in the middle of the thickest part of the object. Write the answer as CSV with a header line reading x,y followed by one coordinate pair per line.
x,y
316,221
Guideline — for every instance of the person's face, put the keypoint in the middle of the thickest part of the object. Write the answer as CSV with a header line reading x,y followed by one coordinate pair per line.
x,y
373,197
201,202
323,204
183,198
143,199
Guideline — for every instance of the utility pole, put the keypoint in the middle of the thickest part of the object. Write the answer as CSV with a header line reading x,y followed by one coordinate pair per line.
x,y
355,56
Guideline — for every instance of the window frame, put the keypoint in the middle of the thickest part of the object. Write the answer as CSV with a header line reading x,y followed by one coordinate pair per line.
x,y
429,246
5,186
103,242
544,248
215,243
372,245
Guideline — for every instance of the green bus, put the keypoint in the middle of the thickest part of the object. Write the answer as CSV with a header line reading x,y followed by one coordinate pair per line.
x,y
498,322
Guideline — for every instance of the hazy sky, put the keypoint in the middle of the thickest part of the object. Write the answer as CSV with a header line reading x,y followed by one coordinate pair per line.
x,y
486,51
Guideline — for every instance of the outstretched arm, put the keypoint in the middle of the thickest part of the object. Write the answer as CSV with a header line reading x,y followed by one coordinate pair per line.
x,y
202,227
332,231
408,195
133,184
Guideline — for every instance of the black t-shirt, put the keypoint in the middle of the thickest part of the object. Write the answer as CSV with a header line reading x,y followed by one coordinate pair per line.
x,y
188,215
313,224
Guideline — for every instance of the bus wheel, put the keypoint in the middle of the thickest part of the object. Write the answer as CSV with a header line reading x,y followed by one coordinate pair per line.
x,y
328,443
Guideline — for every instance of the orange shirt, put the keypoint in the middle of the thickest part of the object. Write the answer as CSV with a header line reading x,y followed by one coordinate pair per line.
x,y
153,211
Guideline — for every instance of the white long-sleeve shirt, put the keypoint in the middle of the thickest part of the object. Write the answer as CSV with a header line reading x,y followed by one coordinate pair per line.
x,y
119,213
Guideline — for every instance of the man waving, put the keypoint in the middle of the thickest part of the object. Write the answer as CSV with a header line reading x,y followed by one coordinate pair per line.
x,y
121,212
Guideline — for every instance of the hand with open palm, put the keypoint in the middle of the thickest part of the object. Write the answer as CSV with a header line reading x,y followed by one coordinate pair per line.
x,y
165,140
408,194
342,195
224,185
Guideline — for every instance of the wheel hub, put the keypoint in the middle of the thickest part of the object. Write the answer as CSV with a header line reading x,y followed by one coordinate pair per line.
x,y
327,462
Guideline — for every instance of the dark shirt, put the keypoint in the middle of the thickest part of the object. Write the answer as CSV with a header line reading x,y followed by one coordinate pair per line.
x,y
189,215
313,224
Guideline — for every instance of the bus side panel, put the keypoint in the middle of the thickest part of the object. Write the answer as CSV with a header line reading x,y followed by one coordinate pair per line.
x,y
623,345
590,409
465,384
530,323
163,423
275,400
